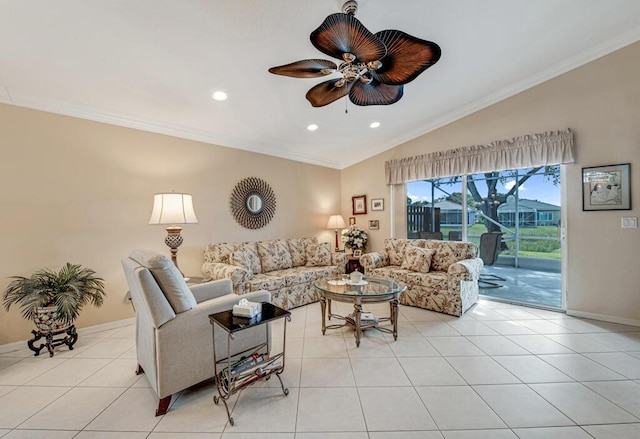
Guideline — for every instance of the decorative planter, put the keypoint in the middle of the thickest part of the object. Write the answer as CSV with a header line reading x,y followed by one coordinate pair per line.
x,y
49,326
46,320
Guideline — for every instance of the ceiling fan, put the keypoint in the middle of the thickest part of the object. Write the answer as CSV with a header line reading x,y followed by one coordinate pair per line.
x,y
374,67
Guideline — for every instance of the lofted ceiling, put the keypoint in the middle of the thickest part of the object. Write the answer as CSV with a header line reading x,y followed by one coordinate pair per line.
x,y
154,64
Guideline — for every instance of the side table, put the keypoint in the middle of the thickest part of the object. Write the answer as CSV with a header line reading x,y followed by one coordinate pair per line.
x,y
235,372
353,264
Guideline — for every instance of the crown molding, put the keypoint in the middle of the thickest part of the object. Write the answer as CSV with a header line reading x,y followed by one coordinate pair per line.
x,y
149,125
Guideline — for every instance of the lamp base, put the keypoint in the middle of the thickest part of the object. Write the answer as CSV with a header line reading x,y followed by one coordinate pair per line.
x,y
337,245
173,241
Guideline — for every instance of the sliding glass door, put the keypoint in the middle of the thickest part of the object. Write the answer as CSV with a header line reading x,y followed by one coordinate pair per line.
x,y
520,207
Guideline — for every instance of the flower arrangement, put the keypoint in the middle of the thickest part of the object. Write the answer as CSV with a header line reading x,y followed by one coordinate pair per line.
x,y
354,238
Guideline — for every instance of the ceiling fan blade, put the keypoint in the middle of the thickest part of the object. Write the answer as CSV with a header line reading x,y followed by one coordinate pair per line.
x,y
326,92
407,57
307,68
375,93
343,33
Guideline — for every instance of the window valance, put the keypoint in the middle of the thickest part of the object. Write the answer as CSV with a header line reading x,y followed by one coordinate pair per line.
x,y
550,148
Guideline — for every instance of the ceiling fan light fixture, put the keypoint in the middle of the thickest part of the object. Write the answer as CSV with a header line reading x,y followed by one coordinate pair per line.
x,y
382,62
374,124
366,78
312,127
374,65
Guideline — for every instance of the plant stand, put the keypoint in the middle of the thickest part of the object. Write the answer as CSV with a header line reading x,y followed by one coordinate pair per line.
x,y
69,339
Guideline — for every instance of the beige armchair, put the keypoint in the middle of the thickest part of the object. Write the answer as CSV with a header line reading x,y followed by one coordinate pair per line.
x,y
174,340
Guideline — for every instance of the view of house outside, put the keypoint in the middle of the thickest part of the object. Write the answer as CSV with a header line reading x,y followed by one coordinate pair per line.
x,y
524,205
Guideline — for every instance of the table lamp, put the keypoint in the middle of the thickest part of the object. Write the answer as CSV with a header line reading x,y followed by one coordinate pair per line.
x,y
173,209
336,222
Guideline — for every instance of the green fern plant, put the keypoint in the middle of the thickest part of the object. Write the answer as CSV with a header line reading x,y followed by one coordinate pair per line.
x,y
69,289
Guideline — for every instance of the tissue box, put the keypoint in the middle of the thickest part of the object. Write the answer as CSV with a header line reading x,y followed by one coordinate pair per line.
x,y
247,309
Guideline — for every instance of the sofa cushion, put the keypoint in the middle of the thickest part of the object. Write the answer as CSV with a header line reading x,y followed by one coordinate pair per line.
x,y
266,282
297,248
252,254
294,276
168,277
218,252
417,259
395,250
318,255
274,255
450,252
242,259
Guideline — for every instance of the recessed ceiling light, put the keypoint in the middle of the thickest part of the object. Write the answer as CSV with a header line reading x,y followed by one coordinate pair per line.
x,y
374,124
220,96
312,127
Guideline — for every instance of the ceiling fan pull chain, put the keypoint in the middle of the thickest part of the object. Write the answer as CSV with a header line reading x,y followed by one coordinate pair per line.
x,y
346,102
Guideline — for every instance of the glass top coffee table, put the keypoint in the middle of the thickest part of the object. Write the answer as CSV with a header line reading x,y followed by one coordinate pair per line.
x,y
369,290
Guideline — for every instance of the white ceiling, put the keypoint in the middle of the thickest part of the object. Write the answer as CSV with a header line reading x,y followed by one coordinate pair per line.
x,y
153,65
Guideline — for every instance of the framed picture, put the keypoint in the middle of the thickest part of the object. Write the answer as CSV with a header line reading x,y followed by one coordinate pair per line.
x,y
357,253
377,204
606,187
374,224
359,203
352,220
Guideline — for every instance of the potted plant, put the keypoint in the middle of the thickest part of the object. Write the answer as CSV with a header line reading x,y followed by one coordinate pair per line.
x,y
54,299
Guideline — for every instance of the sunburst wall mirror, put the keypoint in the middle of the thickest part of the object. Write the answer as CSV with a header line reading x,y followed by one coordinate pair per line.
x,y
253,203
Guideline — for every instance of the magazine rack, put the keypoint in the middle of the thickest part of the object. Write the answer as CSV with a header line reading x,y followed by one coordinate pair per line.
x,y
235,372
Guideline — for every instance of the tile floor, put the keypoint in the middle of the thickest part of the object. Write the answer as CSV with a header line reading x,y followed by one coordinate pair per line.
x,y
501,371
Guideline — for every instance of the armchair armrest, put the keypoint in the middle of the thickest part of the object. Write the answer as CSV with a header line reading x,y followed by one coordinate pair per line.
x,y
212,289
466,270
372,260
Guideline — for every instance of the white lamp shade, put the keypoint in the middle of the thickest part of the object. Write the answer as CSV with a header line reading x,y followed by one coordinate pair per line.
x,y
173,209
336,222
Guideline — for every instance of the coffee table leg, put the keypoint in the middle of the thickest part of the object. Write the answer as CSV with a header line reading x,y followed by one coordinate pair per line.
x,y
323,309
394,317
357,310
329,304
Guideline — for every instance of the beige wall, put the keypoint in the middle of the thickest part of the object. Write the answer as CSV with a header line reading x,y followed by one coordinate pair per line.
x,y
601,103
80,191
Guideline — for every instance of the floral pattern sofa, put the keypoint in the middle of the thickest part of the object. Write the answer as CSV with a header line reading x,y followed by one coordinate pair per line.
x,y
285,267
440,275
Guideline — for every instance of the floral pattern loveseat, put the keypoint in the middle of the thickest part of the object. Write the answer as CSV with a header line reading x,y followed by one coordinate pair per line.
x,y
440,275
285,267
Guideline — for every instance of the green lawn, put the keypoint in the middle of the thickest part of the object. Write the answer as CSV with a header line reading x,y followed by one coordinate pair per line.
x,y
534,248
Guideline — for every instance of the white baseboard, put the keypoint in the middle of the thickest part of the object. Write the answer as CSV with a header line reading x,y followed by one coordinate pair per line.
x,y
603,317
9,347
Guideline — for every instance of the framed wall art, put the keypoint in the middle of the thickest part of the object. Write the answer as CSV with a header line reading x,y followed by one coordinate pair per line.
x,y
377,204
359,204
606,187
374,224
352,220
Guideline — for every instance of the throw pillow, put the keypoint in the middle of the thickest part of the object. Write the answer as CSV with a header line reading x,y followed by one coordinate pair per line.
x,y
318,255
241,259
169,279
417,259
274,255
395,250
252,253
